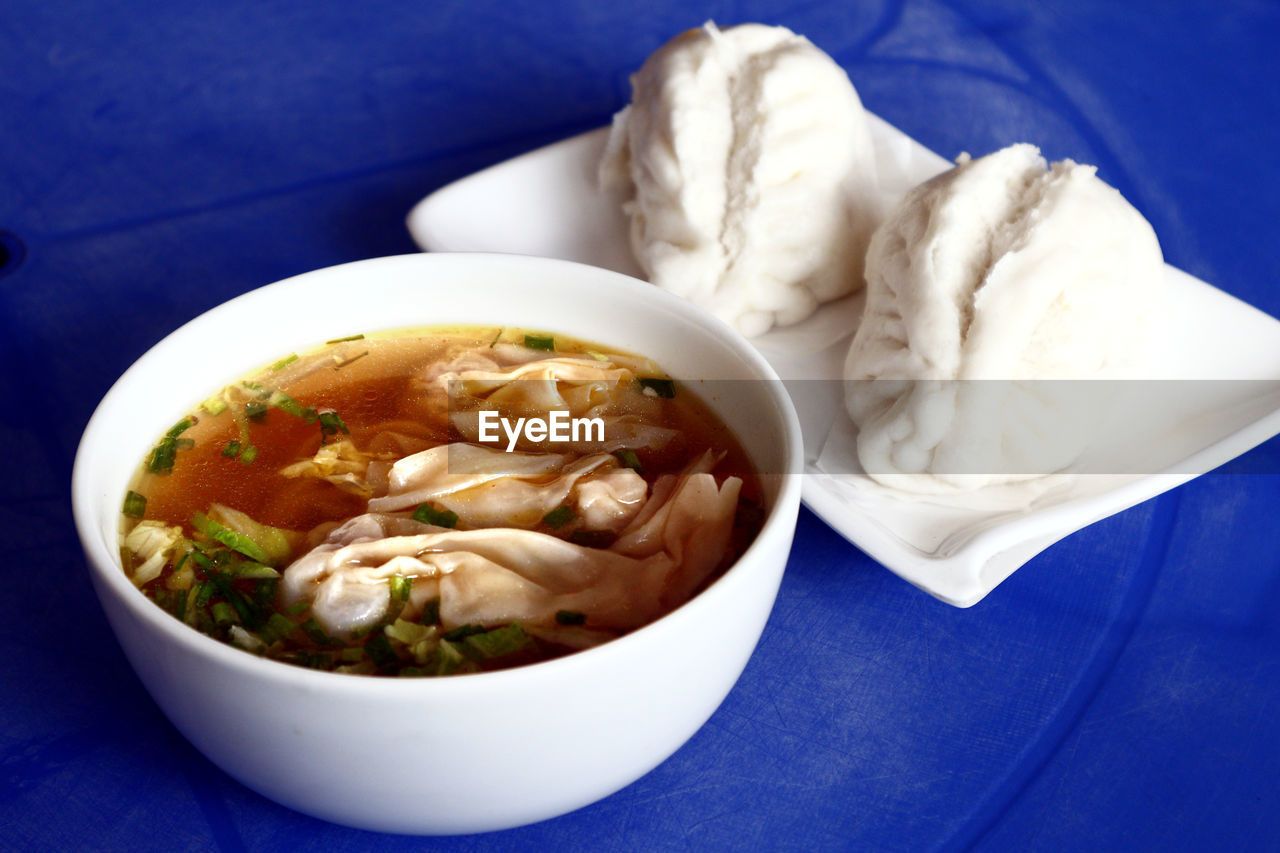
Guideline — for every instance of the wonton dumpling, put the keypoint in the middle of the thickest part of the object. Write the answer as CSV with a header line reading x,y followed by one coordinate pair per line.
x,y
511,382
495,576
748,163
999,269
488,487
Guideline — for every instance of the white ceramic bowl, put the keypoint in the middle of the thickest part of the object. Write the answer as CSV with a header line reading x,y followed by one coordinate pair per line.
x,y
468,753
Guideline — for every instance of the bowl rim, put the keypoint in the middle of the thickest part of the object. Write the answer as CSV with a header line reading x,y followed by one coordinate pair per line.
x,y
108,576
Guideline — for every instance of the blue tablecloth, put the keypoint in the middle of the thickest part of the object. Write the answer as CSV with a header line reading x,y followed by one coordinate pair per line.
x,y
1118,692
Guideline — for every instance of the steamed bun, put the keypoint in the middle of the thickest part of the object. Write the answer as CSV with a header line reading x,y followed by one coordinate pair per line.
x,y
985,282
747,161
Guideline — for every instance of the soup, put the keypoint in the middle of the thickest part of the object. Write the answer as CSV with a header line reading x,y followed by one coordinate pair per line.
x,y
438,501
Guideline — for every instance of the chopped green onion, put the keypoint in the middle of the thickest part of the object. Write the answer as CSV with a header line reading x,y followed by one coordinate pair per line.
x,y
285,403
559,517
331,423
232,449
298,608
163,456
278,627
447,659
542,342
180,606
380,652
316,634
628,459
347,338
264,594
223,613
135,505
495,339
214,406
255,410
181,426
276,542
204,592
498,642
313,660
401,586
661,387
254,571
249,454
570,617
409,633
431,611
285,362
428,514
247,612
463,631
232,539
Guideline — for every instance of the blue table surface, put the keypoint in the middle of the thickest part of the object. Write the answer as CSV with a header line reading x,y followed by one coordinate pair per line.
x,y
1121,691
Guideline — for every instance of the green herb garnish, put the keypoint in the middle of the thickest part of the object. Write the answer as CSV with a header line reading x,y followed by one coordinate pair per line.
x,y
559,517
498,642
223,613
628,459
462,632
380,652
428,514
230,538
247,612
401,586
181,426
214,406
347,338
541,342
446,660
163,456
285,403
135,505
316,634
431,611
278,627
285,362
331,423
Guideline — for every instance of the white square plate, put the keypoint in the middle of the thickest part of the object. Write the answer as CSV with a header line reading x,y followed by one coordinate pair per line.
x,y
546,203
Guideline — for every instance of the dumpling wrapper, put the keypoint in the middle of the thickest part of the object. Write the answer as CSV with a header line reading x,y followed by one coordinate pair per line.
x,y
502,575
488,487
519,382
747,161
996,293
